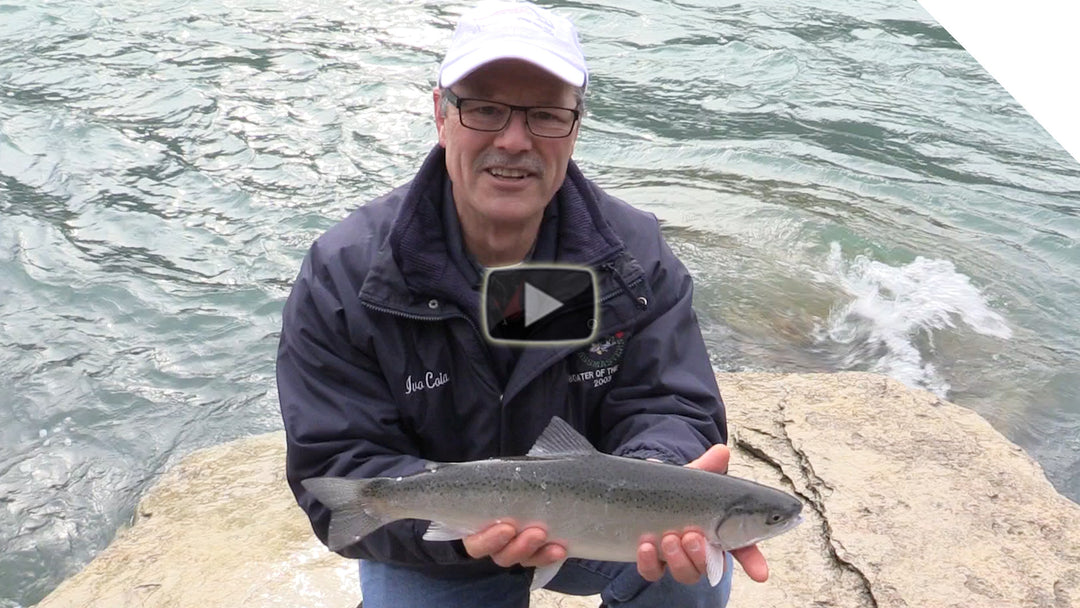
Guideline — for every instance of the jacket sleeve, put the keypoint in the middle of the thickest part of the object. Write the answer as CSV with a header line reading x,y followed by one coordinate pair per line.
x,y
664,402
339,417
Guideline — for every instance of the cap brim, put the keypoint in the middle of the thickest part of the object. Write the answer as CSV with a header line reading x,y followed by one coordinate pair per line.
x,y
472,60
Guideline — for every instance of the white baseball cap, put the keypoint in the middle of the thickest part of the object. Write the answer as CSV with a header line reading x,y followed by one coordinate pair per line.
x,y
514,30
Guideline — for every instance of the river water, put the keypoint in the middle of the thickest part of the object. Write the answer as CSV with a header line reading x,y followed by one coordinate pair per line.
x,y
851,190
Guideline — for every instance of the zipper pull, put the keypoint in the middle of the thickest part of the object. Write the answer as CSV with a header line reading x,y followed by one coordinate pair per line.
x,y
641,302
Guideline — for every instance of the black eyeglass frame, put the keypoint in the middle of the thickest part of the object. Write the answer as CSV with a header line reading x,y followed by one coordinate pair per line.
x,y
457,101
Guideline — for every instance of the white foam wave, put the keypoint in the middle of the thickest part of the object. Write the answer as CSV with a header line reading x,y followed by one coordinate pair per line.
x,y
896,310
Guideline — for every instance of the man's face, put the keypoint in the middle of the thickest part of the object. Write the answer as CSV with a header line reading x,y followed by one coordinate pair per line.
x,y
505,178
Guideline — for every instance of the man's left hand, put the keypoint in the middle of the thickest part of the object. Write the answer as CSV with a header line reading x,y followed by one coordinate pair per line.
x,y
684,554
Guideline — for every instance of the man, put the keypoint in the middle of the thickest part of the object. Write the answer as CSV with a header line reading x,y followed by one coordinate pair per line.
x,y
383,366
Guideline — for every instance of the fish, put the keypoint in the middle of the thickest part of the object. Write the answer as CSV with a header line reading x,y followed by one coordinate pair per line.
x,y
596,505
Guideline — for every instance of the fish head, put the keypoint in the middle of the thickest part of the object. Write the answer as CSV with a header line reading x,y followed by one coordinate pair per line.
x,y
755,519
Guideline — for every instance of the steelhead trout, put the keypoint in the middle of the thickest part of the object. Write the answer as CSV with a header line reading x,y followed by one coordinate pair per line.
x,y
596,505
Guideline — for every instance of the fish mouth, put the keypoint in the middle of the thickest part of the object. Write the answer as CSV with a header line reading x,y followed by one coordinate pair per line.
x,y
789,524
776,531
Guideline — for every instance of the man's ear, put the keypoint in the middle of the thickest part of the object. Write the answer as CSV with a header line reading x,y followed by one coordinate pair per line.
x,y
440,118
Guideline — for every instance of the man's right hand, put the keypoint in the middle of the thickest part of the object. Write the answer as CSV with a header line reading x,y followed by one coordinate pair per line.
x,y
507,547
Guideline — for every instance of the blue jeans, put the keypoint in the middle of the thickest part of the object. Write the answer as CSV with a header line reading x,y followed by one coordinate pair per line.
x,y
619,586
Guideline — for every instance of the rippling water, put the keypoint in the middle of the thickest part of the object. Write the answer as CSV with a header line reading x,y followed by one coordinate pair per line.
x,y
849,187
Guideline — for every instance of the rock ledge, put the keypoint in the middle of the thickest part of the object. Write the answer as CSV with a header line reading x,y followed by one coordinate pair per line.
x,y
911,502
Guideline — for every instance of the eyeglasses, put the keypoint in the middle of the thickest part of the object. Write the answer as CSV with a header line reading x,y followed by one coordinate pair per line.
x,y
485,115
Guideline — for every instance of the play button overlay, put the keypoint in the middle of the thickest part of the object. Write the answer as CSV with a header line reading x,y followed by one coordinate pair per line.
x,y
540,304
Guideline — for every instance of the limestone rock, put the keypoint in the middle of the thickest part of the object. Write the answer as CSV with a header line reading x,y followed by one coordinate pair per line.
x,y
910,501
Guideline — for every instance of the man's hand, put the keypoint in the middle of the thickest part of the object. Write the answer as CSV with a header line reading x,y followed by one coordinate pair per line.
x,y
684,554
507,548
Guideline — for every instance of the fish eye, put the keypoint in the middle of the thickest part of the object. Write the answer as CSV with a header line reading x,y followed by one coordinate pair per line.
x,y
774,519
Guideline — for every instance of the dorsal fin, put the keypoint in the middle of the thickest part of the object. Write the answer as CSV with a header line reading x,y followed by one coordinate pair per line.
x,y
559,440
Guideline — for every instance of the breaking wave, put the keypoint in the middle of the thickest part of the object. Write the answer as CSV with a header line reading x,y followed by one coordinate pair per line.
x,y
896,311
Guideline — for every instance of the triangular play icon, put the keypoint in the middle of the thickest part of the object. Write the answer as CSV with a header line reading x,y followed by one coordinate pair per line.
x,y
538,304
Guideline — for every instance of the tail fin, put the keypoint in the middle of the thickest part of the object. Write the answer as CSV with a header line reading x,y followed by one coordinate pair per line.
x,y
350,521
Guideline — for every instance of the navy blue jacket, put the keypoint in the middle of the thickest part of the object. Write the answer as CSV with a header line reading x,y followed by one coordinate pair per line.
x,y
382,365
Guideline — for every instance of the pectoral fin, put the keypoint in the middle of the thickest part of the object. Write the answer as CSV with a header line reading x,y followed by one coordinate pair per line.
x,y
440,531
715,562
544,574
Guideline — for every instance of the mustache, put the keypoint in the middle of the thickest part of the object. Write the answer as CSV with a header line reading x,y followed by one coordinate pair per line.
x,y
522,162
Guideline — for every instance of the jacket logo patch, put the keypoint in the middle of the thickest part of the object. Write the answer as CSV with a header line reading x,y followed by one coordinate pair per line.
x,y
605,352
430,380
601,360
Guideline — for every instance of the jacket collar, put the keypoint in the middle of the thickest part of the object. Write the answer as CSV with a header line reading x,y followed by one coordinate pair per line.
x,y
413,270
